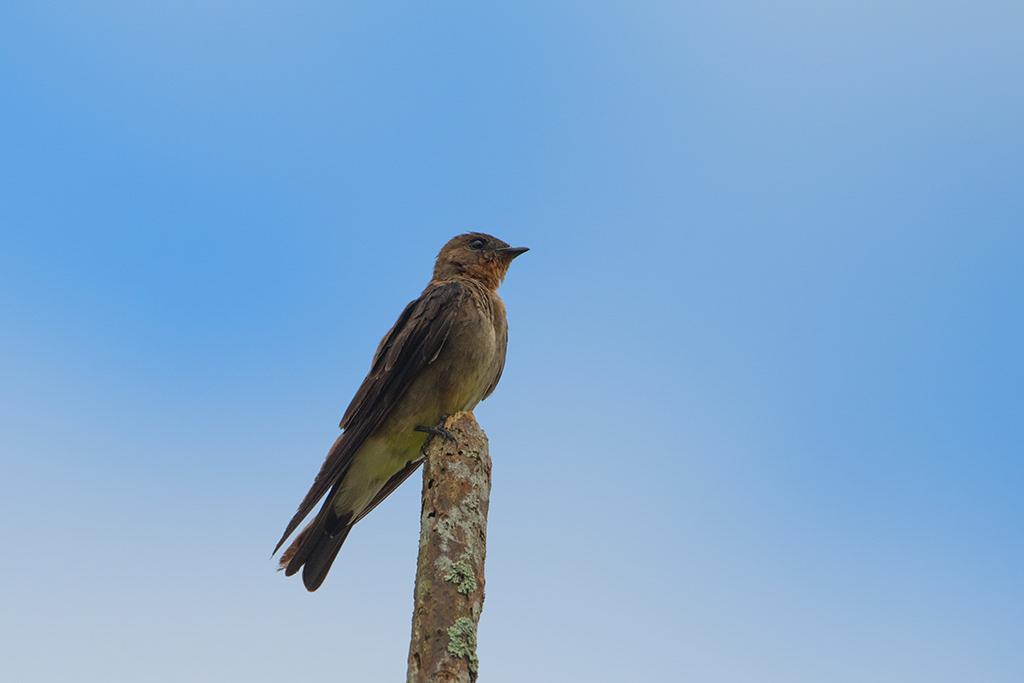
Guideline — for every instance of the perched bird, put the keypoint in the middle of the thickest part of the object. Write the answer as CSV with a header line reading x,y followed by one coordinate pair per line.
x,y
445,354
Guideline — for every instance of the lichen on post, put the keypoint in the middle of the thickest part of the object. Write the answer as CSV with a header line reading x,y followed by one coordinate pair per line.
x,y
449,593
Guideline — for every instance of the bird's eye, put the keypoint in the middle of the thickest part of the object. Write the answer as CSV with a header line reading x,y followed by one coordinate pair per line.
x,y
476,244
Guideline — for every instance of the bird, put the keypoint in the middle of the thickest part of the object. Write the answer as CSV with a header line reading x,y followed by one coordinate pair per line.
x,y
445,354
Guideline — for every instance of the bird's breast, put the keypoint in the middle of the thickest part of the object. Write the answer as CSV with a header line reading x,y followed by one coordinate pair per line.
x,y
471,357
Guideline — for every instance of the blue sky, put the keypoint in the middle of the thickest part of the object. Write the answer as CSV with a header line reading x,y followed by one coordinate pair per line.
x,y
761,418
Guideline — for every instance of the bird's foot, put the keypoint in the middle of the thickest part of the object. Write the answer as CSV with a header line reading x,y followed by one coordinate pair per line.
x,y
438,430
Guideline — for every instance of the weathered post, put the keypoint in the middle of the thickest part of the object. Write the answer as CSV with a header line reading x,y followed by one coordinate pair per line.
x,y
449,593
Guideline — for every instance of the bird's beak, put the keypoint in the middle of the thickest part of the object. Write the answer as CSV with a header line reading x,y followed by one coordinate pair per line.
x,y
511,252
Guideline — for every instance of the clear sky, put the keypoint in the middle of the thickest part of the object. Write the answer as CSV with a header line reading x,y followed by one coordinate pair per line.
x,y
762,417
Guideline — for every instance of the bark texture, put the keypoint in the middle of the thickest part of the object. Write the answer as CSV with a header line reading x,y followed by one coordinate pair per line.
x,y
449,593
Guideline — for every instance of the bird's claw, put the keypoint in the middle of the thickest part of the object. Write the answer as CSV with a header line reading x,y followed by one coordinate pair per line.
x,y
438,430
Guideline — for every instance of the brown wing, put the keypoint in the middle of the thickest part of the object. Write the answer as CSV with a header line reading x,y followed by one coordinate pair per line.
x,y
413,343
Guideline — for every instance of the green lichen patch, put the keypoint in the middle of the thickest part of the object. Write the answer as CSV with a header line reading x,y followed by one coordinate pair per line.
x,y
462,576
462,642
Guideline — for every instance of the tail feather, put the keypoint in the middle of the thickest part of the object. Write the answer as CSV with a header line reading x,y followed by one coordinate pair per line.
x,y
320,559
315,548
289,554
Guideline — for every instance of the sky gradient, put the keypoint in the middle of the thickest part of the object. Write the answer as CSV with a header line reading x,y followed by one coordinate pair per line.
x,y
761,416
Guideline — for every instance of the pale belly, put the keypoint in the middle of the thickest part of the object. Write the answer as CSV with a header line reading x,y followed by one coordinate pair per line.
x,y
378,460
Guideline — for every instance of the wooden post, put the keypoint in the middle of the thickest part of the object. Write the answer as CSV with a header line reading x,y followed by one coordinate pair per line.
x,y
449,593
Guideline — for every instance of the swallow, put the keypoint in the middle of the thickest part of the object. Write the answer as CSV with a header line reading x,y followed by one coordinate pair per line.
x,y
445,354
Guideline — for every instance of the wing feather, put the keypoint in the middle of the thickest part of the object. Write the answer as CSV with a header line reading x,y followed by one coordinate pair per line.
x,y
410,345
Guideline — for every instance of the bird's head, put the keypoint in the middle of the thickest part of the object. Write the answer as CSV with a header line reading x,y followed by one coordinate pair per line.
x,y
476,256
